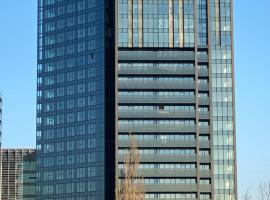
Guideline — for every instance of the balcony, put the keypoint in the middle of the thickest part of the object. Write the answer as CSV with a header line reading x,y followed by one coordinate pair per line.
x,y
203,72
170,188
204,114
166,143
205,188
156,114
156,55
165,172
203,58
204,101
161,143
173,99
204,87
175,199
156,84
156,71
205,144
183,173
204,129
205,173
169,158
162,158
161,114
156,128
170,99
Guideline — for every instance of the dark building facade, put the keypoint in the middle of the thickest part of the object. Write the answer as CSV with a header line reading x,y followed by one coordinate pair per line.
x,y
18,178
75,100
159,69
0,141
0,120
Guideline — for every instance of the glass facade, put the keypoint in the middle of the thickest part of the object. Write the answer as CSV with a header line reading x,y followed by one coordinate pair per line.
x,y
152,23
222,73
29,177
71,100
175,94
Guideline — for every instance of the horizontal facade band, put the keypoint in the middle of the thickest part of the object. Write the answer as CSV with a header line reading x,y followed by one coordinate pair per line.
x,y
168,144
159,114
170,173
161,128
169,158
160,55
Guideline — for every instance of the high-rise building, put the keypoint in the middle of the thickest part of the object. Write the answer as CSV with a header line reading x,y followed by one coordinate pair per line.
x,y
0,120
0,142
18,174
162,70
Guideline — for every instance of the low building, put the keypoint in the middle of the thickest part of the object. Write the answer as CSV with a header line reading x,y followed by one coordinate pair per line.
x,y
18,174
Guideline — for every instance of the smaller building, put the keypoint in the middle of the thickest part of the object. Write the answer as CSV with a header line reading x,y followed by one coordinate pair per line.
x,y
18,174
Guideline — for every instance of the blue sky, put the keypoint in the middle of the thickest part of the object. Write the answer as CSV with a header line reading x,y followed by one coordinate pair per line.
x,y
252,30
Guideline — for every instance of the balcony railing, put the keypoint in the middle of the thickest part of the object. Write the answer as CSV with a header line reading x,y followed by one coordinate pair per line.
x,y
162,158
203,86
203,72
131,99
204,101
204,129
176,188
165,172
203,57
161,143
204,114
168,158
155,84
156,70
161,172
155,114
170,187
166,143
161,114
156,128
129,70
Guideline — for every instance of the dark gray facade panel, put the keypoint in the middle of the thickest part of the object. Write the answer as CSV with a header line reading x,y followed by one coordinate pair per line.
x,y
1,120
1,142
171,88
156,55
72,123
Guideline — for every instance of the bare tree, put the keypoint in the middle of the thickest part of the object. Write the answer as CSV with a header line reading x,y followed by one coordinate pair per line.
x,y
247,195
130,186
264,191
